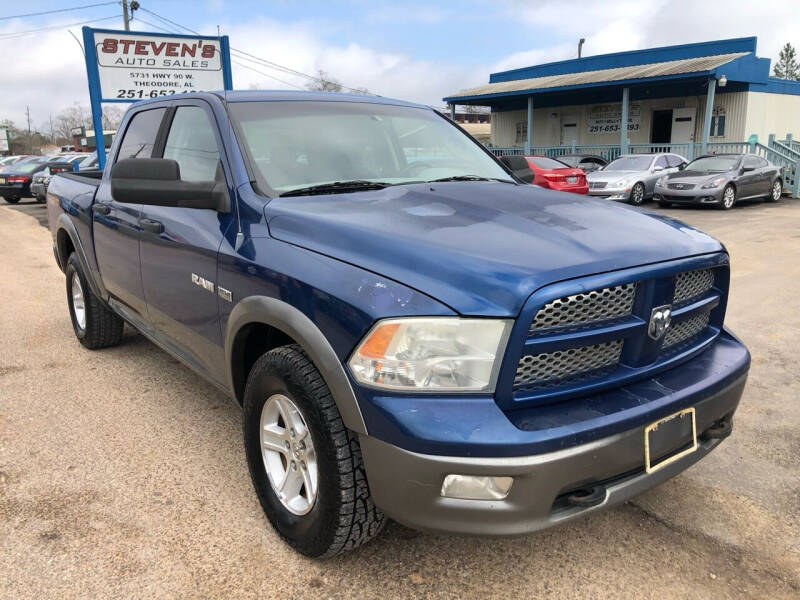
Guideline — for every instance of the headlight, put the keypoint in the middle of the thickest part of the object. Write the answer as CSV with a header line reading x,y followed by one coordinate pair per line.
x,y
714,183
623,183
662,181
432,354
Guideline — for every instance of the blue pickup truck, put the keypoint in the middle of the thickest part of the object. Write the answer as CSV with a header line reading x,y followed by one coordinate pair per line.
x,y
411,332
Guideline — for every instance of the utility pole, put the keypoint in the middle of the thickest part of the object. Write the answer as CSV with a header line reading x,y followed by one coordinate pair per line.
x,y
125,19
28,115
52,133
580,46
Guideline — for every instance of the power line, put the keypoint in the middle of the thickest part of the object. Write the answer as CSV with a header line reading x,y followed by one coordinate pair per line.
x,y
60,10
248,67
16,34
252,58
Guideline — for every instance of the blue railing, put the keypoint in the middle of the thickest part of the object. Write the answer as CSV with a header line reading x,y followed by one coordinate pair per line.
x,y
785,153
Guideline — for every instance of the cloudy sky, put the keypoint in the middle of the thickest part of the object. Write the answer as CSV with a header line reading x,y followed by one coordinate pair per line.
x,y
412,49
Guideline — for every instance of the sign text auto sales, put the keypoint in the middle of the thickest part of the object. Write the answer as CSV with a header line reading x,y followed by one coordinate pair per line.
x,y
134,66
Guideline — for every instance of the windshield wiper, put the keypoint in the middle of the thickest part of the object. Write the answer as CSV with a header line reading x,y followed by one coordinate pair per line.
x,y
469,178
338,187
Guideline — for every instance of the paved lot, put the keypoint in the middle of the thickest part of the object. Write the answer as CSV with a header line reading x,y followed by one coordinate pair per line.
x,y
122,474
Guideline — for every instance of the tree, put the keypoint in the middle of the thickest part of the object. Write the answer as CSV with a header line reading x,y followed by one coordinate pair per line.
x,y
787,67
324,83
71,118
112,117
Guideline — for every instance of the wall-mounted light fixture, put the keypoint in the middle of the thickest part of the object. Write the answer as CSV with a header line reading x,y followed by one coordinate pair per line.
x,y
722,81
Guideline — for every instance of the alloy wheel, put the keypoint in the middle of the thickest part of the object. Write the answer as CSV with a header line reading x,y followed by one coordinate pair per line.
x,y
777,190
728,197
288,454
78,302
637,193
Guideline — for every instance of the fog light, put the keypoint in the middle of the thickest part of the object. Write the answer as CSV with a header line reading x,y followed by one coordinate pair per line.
x,y
474,487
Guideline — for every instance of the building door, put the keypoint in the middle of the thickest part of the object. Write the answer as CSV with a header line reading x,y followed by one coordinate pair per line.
x,y
661,127
569,130
683,125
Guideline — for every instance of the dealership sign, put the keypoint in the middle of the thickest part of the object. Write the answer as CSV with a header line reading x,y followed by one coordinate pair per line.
x,y
606,118
125,66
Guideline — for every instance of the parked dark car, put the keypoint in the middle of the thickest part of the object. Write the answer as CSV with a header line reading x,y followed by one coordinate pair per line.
x,y
42,179
547,173
721,180
15,180
587,162
411,333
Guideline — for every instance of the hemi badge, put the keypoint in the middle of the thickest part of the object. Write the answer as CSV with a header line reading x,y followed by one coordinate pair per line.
x,y
224,294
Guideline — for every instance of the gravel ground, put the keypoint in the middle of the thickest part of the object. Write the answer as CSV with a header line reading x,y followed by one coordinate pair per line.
x,y
122,474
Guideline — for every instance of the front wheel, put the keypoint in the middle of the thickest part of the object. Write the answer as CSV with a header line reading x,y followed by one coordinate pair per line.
x,y
305,464
637,194
776,192
11,200
728,197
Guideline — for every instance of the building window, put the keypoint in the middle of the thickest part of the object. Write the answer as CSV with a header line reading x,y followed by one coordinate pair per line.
x,y
522,132
718,123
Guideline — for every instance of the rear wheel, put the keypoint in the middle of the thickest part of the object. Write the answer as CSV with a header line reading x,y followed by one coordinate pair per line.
x,y
305,465
11,200
776,192
637,194
94,324
728,197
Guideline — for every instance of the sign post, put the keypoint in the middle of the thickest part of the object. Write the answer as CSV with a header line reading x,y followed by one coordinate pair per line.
x,y
5,144
126,66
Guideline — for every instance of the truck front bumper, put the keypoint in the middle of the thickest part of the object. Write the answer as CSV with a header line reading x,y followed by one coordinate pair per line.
x,y
407,485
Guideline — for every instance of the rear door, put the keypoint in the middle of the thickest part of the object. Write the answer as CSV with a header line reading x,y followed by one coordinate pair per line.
x,y
179,245
116,225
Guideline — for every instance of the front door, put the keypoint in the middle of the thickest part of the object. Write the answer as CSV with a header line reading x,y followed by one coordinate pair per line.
x,y
683,125
116,225
569,130
179,245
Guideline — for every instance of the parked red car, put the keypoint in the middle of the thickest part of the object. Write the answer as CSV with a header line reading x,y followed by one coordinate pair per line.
x,y
548,173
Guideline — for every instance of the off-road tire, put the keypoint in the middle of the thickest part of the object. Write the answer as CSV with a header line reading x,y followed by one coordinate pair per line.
x,y
103,328
343,515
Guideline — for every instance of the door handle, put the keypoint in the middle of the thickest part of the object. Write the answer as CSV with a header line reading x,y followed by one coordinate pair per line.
x,y
151,225
101,209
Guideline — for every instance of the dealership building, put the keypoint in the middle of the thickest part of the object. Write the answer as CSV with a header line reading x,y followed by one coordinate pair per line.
x,y
692,98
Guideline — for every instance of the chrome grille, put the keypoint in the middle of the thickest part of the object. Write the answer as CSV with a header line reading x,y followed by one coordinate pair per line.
x,y
691,284
564,364
680,186
588,307
685,330
597,185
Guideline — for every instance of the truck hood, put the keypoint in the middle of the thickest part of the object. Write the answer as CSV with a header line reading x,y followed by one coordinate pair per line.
x,y
480,247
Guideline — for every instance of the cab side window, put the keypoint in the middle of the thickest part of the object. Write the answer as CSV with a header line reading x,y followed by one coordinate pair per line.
x,y
191,143
140,136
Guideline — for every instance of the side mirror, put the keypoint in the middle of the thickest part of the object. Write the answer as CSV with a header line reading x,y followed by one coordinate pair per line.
x,y
657,168
747,169
682,166
157,182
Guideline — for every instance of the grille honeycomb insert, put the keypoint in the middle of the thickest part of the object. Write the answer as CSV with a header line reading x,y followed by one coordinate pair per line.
x,y
538,369
686,330
588,307
691,284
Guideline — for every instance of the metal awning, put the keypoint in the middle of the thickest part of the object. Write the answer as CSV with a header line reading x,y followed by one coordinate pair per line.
x,y
636,72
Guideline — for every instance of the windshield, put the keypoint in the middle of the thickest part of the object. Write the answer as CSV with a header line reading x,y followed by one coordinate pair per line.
x,y
572,161
548,163
630,163
713,164
295,145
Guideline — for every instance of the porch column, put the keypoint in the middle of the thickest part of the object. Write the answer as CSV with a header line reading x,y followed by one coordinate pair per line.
x,y
712,87
623,125
529,133
452,112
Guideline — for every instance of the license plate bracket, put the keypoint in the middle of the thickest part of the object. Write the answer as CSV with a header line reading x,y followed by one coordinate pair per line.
x,y
670,439
2,180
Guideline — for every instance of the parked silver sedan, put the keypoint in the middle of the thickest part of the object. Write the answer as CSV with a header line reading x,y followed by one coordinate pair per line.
x,y
632,177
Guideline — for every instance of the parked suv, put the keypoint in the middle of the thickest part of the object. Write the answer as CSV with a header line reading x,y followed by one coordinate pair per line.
x,y
411,332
